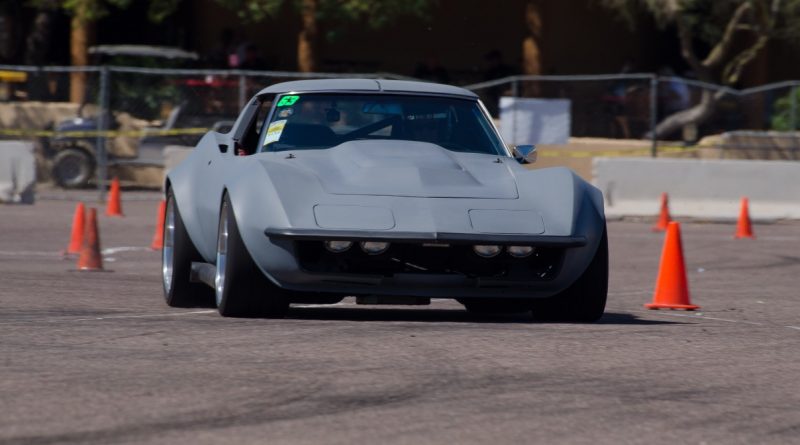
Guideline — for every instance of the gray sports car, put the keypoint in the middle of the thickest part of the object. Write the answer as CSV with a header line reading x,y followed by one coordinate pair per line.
x,y
390,191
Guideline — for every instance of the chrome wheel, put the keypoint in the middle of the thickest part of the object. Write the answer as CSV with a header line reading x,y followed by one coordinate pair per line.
x,y
168,251
222,253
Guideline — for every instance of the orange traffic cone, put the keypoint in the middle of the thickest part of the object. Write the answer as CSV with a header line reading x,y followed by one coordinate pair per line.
x,y
663,217
744,229
672,288
158,237
114,206
90,258
78,223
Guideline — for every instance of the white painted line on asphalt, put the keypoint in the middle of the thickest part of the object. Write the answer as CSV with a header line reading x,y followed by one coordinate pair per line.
x,y
116,317
720,319
688,315
698,315
702,316
113,250
56,319
109,251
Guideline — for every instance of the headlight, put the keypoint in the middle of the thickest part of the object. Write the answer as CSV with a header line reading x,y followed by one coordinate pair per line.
x,y
374,247
519,251
338,246
487,251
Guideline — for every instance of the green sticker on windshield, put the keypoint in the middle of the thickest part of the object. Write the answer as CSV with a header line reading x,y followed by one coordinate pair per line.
x,y
288,101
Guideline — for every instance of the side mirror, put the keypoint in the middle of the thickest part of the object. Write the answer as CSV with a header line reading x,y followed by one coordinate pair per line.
x,y
525,154
223,148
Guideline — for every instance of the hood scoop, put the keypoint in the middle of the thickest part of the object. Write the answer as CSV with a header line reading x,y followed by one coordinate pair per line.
x,y
405,168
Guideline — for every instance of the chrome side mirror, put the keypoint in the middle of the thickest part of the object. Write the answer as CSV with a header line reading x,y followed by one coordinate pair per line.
x,y
525,154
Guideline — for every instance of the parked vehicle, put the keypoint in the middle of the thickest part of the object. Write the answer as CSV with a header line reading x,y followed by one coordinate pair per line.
x,y
73,149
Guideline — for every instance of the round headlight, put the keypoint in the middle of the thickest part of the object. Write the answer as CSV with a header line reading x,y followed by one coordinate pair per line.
x,y
338,246
519,251
374,247
487,251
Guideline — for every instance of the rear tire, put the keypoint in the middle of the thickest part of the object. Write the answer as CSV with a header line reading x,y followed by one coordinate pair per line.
x,y
585,300
72,168
241,288
177,256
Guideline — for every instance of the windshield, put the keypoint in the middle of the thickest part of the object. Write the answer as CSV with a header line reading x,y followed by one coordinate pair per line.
x,y
318,121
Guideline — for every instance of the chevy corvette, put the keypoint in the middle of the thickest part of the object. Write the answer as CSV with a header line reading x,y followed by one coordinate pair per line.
x,y
390,191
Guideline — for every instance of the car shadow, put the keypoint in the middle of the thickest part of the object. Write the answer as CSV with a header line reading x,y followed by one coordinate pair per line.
x,y
623,318
446,315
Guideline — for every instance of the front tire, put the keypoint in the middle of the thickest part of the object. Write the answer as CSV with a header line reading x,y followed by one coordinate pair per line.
x,y
177,256
585,300
241,288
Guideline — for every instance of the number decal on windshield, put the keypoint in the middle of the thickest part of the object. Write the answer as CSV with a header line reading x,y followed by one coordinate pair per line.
x,y
288,101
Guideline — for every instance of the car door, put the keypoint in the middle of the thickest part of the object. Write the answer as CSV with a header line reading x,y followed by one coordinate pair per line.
x,y
216,164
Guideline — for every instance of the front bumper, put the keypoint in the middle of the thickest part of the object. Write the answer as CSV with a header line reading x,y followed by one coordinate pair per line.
x,y
425,264
428,237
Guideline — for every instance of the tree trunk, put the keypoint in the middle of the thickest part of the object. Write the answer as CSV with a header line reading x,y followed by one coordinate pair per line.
x,y
696,115
37,47
531,45
80,39
307,39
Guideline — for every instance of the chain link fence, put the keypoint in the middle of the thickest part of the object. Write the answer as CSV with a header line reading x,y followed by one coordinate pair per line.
x,y
633,106
126,116
119,119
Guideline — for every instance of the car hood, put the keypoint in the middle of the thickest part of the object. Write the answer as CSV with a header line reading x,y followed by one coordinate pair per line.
x,y
398,168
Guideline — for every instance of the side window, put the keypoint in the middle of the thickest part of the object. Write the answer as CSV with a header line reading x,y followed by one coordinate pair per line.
x,y
248,142
266,118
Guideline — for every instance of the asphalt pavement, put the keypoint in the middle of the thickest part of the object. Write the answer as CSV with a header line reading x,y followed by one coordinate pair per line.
x,y
98,358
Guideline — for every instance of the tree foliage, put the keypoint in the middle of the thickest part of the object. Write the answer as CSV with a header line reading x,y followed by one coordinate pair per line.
x,y
373,13
93,10
376,13
787,112
729,33
735,31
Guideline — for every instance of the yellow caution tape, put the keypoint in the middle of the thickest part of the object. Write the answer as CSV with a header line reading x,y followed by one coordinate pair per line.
x,y
613,153
96,133
13,76
555,153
